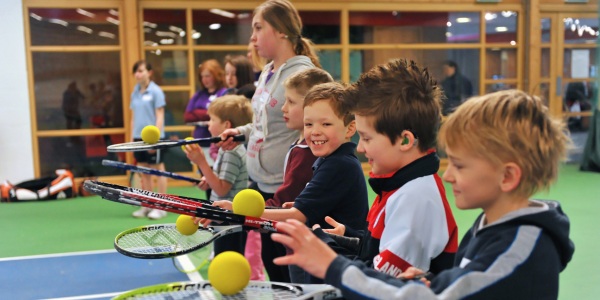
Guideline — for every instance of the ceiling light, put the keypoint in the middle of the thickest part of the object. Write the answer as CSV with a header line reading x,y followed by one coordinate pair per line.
x,y
167,41
112,20
490,16
222,13
59,22
196,35
449,24
463,20
512,43
150,24
501,29
85,29
214,26
166,34
243,15
113,12
37,17
106,34
85,13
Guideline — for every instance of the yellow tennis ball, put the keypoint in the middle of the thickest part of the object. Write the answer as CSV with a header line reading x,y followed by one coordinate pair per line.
x,y
187,139
249,202
185,225
150,134
229,272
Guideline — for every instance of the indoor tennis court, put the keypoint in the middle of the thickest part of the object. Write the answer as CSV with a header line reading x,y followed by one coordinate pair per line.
x,y
64,248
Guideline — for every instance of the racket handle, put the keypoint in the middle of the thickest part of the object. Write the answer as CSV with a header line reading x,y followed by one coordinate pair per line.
x,y
350,243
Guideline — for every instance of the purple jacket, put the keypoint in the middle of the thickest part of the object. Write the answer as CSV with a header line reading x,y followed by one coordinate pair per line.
x,y
197,110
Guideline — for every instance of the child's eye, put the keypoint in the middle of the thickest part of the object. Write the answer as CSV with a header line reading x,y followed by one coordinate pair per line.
x,y
326,124
307,124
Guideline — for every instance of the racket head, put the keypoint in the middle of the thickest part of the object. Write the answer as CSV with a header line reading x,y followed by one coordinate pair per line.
x,y
140,146
255,290
163,240
194,261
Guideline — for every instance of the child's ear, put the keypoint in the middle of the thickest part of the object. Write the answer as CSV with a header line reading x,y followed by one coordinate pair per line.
x,y
407,140
511,177
351,129
227,124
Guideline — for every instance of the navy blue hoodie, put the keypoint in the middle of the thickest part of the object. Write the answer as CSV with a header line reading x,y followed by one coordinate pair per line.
x,y
519,256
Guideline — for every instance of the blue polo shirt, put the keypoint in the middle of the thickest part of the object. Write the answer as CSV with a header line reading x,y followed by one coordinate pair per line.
x,y
337,189
144,105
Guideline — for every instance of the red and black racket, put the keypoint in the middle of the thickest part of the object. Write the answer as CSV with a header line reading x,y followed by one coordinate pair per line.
x,y
142,146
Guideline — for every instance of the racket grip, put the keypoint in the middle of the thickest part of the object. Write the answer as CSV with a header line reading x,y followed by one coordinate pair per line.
x,y
239,138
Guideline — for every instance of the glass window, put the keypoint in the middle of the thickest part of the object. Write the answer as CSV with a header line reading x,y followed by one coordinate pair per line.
x,y
176,104
543,91
494,87
331,62
546,28
169,67
501,27
70,26
77,90
414,27
82,154
465,59
501,63
201,56
545,63
164,27
321,27
221,27
580,30
579,63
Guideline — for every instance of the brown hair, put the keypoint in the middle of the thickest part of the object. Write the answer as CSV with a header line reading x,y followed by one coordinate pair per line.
x,y
399,96
140,63
284,17
214,67
334,93
243,69
233,108
510,126
304,80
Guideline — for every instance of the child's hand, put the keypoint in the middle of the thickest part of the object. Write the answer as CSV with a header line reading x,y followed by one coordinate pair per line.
x,y
194,153
309,252
414,273
228,205
203,185
338,228
288,204
228,143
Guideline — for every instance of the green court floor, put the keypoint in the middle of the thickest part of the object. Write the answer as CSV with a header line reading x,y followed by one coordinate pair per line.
x,y
90,223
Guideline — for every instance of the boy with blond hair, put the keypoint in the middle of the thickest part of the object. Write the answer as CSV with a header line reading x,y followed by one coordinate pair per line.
x,y
228,175
397,108
502,148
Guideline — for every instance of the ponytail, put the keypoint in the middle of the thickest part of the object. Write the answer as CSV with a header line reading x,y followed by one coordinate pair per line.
x,y
304,46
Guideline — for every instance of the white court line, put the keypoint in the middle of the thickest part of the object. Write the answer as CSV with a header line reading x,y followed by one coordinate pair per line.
x,y
187,264
95,296
58,255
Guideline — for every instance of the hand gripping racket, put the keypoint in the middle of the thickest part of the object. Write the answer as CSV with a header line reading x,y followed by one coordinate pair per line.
x,y
150,171
254,290
142,146
163,240
174,204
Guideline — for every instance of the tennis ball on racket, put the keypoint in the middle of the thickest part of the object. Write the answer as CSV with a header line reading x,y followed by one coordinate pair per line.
x,y
185,225
150,134
187,139
229,272
249,202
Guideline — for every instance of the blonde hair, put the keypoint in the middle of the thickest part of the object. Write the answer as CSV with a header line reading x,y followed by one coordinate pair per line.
x,y
284,17
510,126
304,80
214,67
334,93
233,108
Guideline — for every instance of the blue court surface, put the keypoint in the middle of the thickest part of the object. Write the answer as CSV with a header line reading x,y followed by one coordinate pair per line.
x,y
82,275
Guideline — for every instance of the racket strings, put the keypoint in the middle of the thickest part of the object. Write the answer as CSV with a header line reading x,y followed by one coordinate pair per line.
x,y
165,240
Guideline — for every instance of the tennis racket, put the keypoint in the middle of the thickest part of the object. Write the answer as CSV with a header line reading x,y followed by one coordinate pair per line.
x,y
142,146
255,290
175,204
193,261
198,123
163,240
150,171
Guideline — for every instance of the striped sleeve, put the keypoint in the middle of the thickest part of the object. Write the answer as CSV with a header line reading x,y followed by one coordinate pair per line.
x,y
231,166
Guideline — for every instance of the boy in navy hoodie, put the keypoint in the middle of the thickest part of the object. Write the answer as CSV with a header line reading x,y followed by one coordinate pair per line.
x,y
502,148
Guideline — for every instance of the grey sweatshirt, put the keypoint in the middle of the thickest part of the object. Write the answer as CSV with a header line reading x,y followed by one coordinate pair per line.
x,y
268,137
